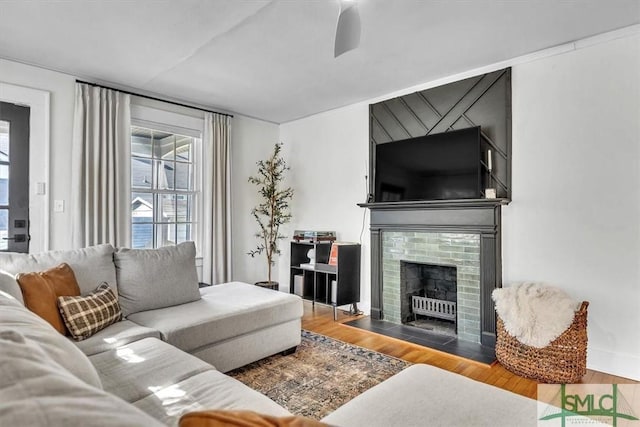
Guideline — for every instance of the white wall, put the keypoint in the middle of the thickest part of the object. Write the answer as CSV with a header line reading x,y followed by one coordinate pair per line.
x,y
575,216
329,158
251,140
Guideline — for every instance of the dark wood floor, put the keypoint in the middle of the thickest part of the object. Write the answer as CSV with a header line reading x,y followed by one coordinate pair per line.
x,y
319,319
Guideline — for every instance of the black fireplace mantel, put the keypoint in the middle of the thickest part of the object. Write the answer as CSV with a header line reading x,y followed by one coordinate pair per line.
x,y
435,204
479,216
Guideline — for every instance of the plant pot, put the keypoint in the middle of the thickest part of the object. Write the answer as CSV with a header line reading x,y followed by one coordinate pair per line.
x,y
269,285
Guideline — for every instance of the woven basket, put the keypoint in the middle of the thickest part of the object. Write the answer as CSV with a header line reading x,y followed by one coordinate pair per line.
x,y
563,361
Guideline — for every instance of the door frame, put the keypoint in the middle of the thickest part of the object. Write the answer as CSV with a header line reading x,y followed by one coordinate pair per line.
x,y
39,190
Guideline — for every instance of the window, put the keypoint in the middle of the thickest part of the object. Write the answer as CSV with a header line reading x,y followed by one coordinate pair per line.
x,y
163,190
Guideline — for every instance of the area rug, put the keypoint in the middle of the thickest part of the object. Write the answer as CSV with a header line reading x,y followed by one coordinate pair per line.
x,y
320,376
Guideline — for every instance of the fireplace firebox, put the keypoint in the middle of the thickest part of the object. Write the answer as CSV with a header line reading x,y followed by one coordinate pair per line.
x,y
428,295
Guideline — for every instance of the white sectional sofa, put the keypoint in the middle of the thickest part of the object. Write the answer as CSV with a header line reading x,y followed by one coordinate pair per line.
x,y
45,380
143,358
228,325
138,372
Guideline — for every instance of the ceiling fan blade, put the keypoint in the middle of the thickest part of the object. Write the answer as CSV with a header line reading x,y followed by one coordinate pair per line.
x,y
348,29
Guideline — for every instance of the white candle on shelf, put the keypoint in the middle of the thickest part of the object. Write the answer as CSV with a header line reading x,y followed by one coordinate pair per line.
x,y
489,165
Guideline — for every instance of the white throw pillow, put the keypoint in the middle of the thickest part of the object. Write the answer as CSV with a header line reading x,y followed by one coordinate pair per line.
x,y
156,278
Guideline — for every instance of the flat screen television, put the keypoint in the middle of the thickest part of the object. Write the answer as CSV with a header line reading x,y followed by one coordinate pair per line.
x,y
444,166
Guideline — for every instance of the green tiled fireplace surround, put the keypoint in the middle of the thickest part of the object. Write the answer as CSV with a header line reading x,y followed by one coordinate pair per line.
x,y
459,250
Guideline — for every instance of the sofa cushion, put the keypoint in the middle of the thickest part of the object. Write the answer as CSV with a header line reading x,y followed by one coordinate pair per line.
x,y
135,370
156,278
84,316
91,266
9,285
14,316
223,312
206,391
116,335
36,391
41,289
423,393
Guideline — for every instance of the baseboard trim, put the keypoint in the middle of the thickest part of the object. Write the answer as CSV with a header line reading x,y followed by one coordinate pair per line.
x,y
619,364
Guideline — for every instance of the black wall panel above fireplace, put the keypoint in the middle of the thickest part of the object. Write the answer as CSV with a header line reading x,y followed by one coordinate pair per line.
x,y
483,101
477,101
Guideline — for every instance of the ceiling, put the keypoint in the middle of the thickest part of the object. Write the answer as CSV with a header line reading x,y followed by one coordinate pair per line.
x,y
273,60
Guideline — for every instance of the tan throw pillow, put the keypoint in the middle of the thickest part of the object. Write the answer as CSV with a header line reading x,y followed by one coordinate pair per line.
x,y
84,316
243,419
40,291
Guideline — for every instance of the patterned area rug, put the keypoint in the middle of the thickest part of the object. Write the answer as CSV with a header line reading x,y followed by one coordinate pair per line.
x,y
320,376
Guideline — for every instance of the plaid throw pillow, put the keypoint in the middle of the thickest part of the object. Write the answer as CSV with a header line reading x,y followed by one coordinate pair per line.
x,y
84,316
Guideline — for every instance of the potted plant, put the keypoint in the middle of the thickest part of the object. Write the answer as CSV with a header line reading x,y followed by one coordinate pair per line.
x,y
273,209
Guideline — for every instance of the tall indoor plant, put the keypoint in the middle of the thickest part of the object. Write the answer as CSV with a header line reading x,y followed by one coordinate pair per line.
x,y
273,209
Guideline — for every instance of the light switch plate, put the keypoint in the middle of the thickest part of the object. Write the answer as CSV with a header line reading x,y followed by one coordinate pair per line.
x,y
58,205
41,189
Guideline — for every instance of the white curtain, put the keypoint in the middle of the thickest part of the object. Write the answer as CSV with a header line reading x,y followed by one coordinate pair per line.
x,y
216,249
100,160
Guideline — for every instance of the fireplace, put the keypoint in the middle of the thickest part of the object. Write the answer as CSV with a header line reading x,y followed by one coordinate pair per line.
x,y
462,237
437,266
428,296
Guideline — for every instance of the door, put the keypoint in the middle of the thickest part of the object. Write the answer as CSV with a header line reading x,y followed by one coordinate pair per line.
x,y
14,178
